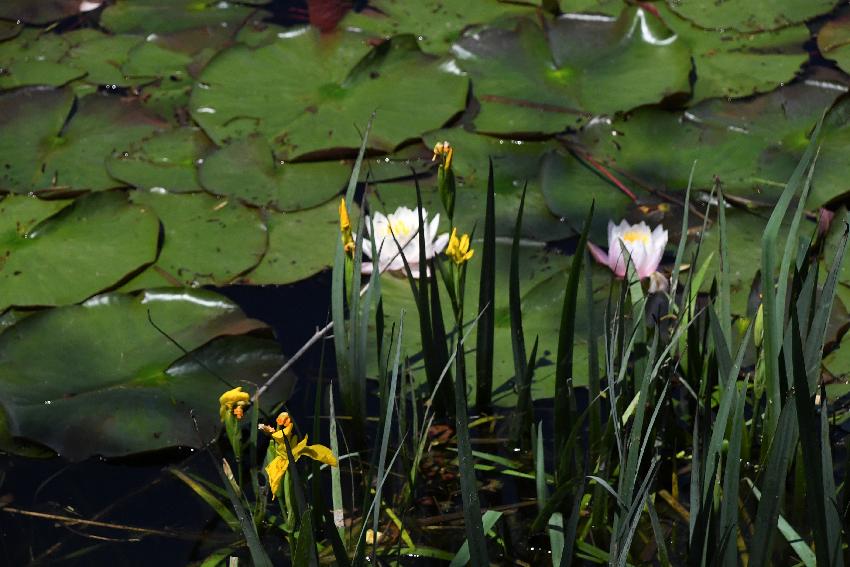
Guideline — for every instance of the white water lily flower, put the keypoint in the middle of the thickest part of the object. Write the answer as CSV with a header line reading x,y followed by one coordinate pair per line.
x,y
645,248
404,224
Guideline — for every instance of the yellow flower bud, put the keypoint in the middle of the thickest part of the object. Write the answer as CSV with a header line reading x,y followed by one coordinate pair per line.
x,y
458,249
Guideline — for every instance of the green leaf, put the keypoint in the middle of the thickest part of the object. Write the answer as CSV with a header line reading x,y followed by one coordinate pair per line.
x,y
300,245
33,58
247,170
488,520
165,16
41,12
164,161
340,82
735,64
750,15
435,23
74,254
751,146
98,378
100,56
533,80
207,241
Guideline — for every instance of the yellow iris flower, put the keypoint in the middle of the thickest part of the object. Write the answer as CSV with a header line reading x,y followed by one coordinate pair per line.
x,y
458,249
345,228
277,467
444,151
233,401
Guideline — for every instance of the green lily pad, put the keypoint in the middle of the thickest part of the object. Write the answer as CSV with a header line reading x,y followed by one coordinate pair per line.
x,y
515,162
570,186
751,145
166,16
532,80
207,241
542,281
301,244
27,118
44,11
166,160
735,64
341,81
603,7
8,30
834,39
74,254
98,378
750,15
247,170
100,56
33,58
101,126
435,23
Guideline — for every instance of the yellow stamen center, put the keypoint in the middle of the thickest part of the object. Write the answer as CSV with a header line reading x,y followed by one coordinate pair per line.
x,y
632,236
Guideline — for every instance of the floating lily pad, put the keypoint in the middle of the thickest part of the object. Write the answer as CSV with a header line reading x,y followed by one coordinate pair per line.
x,y
300,245
9,30
735,64
101,126
751,145
532,80
100,56
207,241
542,280
166,16
834,39
435,23
515,162
604,7
750,15
98,378
27,118
33,58
570,186
340,82
44,11
165,160
247,170
72,255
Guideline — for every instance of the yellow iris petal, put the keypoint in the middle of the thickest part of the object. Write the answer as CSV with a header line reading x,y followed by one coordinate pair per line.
x,y
276,469
458,248
230,399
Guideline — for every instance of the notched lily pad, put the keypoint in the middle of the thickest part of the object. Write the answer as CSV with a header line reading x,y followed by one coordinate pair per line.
x,y
34,58
749,15
532,80
166,160
45,11
166,16
248,170
98,378
340,82
207,241
72,255
301,244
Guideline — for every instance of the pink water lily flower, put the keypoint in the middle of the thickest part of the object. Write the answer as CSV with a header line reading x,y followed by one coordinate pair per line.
x,y
644,247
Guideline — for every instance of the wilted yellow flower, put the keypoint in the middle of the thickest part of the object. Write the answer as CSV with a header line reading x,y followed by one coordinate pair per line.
x,y
458,249
233,401
345,228
444,151
277,467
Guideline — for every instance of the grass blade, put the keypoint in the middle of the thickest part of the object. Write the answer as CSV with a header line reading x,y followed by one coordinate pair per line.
x,y
486,298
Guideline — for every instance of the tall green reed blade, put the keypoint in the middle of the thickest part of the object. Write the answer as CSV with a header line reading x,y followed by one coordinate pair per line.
x,y
724,295
773,300
727,550
566,341
246,521
523,413
773,485
593,380
821,512
338,291
486,299
387,426
475,534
